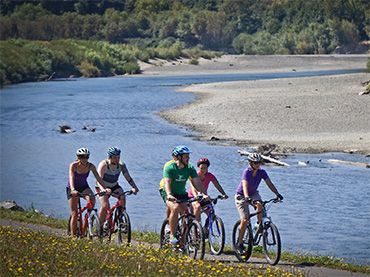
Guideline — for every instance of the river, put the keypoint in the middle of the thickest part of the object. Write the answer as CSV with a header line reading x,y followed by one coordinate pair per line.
x,y
326,210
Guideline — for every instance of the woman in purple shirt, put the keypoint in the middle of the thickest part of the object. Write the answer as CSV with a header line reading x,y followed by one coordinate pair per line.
x,y
247,192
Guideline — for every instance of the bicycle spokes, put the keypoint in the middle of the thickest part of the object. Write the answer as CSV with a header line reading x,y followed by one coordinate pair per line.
x,y
271,244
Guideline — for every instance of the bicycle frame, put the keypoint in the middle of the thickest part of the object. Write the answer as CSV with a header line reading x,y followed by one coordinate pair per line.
x,y
83,219
111,210
211,215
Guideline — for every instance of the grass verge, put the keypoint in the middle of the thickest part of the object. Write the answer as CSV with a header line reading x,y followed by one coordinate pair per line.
x,y
32,216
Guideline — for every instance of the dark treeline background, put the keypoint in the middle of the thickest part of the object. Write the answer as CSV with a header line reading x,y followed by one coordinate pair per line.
x,y
107,37
241,26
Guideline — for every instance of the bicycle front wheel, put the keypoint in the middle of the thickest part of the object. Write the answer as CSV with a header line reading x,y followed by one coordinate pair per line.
x,y
271,244
165,234
94,228
123,228
247,242
216,236
194,241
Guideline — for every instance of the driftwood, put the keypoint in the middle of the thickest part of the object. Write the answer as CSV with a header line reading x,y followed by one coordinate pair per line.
x,y
269,159
349,163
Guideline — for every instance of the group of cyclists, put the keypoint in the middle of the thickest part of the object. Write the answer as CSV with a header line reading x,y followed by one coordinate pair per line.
x,y
176,173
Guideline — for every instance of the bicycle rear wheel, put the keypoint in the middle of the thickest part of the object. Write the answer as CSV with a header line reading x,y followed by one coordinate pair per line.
x,y
94,228
194,241
123,227
247,242
165,234
271,244
216,235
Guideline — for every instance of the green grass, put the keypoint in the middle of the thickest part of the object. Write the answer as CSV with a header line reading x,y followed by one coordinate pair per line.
x,y
31,216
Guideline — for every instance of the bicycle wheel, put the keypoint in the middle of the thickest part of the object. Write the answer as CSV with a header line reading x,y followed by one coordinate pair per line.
x,y
271,244
194,241
94,228
123,227
216,235
247,242
165,234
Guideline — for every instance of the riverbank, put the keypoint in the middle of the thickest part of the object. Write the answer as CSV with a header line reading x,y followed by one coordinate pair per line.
x,y
310,114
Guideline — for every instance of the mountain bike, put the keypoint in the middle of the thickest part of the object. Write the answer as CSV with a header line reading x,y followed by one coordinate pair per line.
x,y
88,223
189,233
214,229
269,233
118,221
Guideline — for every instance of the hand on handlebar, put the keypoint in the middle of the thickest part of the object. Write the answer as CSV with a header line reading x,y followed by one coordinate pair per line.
x,y
171,198
279,196
135,190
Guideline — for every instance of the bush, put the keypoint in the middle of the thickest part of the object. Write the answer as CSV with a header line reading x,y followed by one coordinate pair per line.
x,y
88,70
194,62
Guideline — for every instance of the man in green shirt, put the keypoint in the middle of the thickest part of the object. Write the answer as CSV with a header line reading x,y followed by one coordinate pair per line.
x,y
175,175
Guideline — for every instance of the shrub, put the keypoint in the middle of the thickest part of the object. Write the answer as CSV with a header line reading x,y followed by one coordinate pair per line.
x,y
88,70
194,62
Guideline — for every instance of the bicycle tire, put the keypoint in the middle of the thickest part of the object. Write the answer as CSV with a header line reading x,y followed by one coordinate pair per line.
x,y
164,235
216,235
123,225
194,241
94,228
247,242
271,237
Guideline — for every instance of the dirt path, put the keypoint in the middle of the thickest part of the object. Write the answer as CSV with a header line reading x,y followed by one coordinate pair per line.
x,y
307,270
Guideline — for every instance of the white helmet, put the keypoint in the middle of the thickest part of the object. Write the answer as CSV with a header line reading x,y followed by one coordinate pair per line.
x,y
255,157
82,151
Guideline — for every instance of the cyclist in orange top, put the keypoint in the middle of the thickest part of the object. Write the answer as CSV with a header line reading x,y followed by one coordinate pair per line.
x,y
206,177
77,183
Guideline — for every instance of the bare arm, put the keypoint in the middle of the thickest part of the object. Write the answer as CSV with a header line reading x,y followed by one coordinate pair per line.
x,y
245,189
271,186
167,187
99,180
72,176
197,183
219,188
129,178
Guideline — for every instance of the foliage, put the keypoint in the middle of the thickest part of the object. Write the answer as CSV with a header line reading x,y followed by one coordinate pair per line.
x,y
368,65
214,24
22,60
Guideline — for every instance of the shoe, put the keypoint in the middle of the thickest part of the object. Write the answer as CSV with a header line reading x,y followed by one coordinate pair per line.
x,y
240,248
173,240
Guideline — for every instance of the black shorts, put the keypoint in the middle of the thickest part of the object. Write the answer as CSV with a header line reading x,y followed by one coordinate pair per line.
x,y
80,190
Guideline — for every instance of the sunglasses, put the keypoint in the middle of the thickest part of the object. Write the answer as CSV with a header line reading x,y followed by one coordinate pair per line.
x,y
83,156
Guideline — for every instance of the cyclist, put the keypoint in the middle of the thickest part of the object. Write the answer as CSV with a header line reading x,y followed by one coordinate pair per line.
x,y
172,187
247,193
109,170
78,172
206,177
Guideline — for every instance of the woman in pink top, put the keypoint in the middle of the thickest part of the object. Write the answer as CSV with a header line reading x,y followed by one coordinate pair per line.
x,y
206,177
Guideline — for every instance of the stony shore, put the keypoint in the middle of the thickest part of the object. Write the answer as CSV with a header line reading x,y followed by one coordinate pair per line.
x,y
307,114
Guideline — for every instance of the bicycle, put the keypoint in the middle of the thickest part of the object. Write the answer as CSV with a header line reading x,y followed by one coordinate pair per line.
x,y
214,228
189,233
268,232
118,221
88,224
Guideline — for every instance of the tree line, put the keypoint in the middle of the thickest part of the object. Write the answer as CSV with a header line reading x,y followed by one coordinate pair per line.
x,y
237,26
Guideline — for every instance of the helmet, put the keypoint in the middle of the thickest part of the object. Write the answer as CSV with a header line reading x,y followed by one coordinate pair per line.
x,y
255,157
82,151
113,151
180,150
203,161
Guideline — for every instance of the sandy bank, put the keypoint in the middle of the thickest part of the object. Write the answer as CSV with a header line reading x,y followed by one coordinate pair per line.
x,y
253,64
311,114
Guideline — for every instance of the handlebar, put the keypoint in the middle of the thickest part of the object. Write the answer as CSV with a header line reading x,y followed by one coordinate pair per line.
x,y
197,198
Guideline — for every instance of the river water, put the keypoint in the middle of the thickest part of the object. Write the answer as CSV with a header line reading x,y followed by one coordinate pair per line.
x,y
326,209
